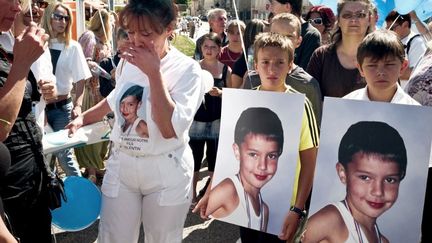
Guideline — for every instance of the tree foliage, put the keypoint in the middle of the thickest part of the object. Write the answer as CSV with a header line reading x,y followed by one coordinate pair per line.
x,y
183,2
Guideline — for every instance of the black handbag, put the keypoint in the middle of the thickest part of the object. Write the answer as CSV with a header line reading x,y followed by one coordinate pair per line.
x,y
55,190
54,186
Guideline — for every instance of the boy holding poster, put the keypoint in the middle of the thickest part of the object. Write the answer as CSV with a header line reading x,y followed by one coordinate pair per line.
x,y
273,57
381,61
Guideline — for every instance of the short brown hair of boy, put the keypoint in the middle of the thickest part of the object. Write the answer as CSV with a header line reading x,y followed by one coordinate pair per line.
x,y
264,40
380,44
290,19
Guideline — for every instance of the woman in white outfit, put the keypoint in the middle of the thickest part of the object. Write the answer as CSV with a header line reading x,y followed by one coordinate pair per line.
x,y
148,180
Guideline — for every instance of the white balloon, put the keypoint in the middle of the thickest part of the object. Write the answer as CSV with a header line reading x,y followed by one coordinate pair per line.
x,y
207,79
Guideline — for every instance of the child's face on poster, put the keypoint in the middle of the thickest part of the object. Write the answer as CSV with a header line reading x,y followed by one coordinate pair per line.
x,y
128,108
258,156
372,184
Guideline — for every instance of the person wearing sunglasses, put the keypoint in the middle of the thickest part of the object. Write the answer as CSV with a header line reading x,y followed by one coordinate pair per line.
x,y
23,188
71,69
322,18
335,65
37,8
41,69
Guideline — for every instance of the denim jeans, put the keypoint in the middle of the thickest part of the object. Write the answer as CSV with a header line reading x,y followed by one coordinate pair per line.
x,y
58,118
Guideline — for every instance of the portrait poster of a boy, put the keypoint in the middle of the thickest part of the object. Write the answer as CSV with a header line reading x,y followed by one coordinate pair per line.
x,y
257,158
371,172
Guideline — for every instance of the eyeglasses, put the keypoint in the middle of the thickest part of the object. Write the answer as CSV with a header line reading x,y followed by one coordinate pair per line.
x,y
358,15
60,17
40,4
316,21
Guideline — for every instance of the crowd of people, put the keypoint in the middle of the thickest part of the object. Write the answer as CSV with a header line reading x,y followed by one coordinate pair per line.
x,y
164,121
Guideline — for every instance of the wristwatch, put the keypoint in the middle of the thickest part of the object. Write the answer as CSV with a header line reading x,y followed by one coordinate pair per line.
x,y
301,213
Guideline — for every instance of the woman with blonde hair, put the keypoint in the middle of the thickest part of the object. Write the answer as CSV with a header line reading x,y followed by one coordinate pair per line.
x,y
70,69
96,46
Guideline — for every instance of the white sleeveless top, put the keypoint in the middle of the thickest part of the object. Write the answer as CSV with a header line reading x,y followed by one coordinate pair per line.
x,y
355,234
244,215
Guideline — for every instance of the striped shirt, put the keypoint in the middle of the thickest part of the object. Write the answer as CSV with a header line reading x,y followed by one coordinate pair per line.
x,y
309,135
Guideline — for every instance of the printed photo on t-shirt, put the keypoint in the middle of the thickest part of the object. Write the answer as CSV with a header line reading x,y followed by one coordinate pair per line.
x,y
132,118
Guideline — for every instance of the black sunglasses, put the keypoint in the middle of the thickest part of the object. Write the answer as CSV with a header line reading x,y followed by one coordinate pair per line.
x,y
40,4
59,17
317,21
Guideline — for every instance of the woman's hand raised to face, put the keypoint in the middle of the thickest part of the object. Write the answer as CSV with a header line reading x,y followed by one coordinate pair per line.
x,y
145,57
30,45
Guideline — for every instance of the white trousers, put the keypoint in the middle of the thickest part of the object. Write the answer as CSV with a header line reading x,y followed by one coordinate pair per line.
x,y
154,191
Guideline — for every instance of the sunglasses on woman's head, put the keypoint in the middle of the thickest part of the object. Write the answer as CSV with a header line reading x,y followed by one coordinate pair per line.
x,y
60,17
40,4
317,21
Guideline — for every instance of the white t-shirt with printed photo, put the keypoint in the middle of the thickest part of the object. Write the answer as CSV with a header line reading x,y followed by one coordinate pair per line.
x,y
182,78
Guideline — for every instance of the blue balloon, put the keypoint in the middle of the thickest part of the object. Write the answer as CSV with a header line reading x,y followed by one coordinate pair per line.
x,y
82,207
384,7
424,10
405,6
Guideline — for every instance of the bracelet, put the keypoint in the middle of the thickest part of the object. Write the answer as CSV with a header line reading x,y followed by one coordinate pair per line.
x,y
5,122
77,106
301,213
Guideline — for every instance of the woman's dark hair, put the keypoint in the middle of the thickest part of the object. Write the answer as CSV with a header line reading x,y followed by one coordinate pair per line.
x,y
380,44
373,138
155,14
254,27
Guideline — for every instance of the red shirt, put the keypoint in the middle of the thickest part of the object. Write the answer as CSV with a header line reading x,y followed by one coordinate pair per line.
x,y
228,57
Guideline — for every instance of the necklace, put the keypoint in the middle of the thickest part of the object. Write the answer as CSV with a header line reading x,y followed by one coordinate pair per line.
x,y
357,226
229,55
